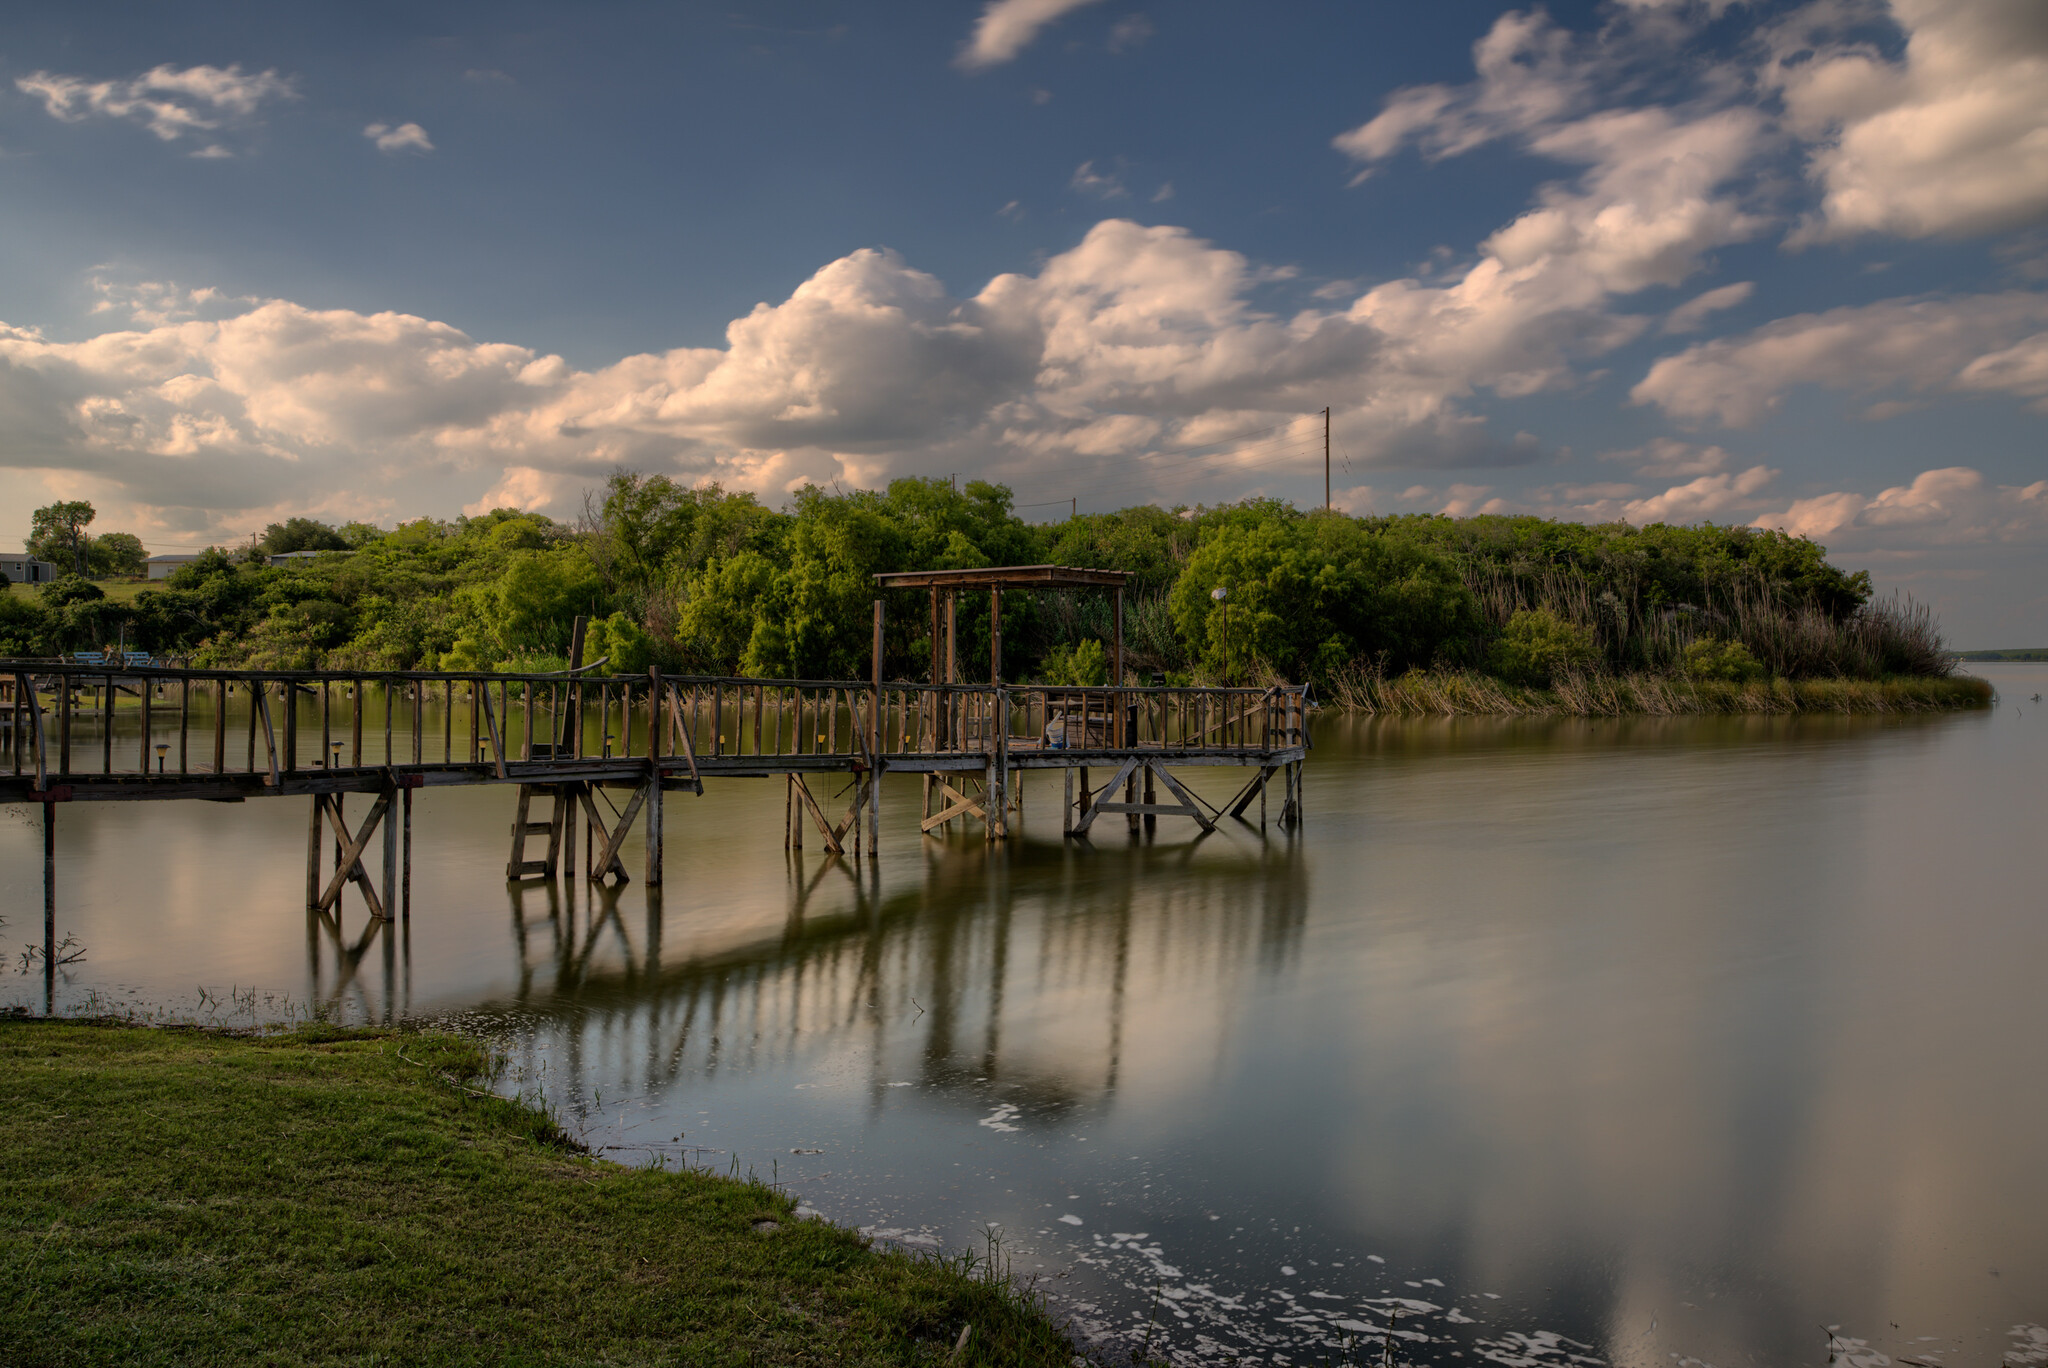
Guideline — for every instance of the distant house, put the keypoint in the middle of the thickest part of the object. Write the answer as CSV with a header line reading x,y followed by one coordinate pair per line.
x,y
27,570
160,567
287,557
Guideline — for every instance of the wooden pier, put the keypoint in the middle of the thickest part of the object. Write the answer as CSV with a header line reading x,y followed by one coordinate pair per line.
x,y
603,751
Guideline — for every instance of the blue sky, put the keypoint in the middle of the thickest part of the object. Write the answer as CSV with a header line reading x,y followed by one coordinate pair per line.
x,y
1774,264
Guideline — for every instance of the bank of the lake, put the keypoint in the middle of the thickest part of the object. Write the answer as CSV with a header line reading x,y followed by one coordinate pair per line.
x,y
327,1196
1451,693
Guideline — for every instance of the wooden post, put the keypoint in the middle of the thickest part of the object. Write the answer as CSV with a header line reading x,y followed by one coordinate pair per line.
x,y
64,727
390,890
291,727
995,634
50,901
1067,808
184,724
313,879
653,824
875,751
405,875
1116,671
1151,797
220,726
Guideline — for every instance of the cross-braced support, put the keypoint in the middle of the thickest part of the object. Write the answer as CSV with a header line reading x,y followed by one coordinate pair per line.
x,y
349,847
803,803
1081,816
611,836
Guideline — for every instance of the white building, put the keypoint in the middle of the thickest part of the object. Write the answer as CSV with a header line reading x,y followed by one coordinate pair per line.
x,y
160,567
27,570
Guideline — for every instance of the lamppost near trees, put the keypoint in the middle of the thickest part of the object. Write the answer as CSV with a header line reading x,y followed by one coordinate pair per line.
x,y
1222,596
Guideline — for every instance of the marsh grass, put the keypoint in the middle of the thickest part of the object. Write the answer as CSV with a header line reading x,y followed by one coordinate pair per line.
x,y
329,1196
1592,694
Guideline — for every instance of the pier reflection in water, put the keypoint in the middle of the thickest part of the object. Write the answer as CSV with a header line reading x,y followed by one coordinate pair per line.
x,y
1544,1042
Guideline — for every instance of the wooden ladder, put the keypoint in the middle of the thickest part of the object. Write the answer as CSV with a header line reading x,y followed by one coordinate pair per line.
x,y
519,868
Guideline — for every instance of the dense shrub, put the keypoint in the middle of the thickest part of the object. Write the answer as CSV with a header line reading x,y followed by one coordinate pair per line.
x,y
1538,646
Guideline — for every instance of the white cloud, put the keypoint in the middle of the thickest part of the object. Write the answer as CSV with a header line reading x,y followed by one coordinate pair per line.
x,y
1955,506
1705,497
169,102
1102,184
1669,458
1692,315
1951,137
1975,344
1007,27
405,137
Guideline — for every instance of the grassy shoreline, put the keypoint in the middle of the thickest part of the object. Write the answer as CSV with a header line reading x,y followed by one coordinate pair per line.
x,y
1445,693
184,1196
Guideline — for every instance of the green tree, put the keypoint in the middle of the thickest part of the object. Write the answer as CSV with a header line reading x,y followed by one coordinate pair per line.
x,y
540,596
57,533
301,534
117,553
1309,593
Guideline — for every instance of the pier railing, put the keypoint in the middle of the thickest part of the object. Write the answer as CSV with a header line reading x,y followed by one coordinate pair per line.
x,y
68,719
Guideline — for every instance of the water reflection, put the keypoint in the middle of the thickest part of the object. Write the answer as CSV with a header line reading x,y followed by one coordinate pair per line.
x,y
921,979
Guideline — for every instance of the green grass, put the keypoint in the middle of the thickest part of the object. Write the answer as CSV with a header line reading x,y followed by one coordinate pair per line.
x,y
189,1197
1453,692
117,591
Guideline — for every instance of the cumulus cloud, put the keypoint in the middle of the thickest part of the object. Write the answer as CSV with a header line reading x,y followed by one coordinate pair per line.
x,y
1949,507
1995,343
1007,27
1950,137
169,102
405,137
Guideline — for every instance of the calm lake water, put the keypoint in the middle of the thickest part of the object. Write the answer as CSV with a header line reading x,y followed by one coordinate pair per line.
x,y
1545,1042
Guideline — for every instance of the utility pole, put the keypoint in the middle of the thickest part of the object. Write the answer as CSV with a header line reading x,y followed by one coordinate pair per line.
x,y
1073,508
1326,460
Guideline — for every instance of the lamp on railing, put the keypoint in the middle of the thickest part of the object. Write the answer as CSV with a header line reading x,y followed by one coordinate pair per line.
x,y
1222,596
608,745
334,758
162,749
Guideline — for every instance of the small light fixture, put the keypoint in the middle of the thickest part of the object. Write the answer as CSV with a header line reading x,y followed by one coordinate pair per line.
x,y
1219,593
335,761
162,748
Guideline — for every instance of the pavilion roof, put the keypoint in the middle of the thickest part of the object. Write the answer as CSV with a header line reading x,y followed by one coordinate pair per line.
x,y
1005,577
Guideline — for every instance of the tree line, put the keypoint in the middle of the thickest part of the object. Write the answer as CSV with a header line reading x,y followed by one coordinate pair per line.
x,y
702,580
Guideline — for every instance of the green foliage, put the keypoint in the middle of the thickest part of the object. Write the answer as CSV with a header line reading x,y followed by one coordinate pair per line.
x,y
619,641
69,589
540,593
1308,594
301,534
1713,658
57,533
699,580
465,655
1539,647
117,553
1086,663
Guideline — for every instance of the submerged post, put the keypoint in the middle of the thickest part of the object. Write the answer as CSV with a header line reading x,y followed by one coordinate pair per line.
x,y
875,750
50,905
